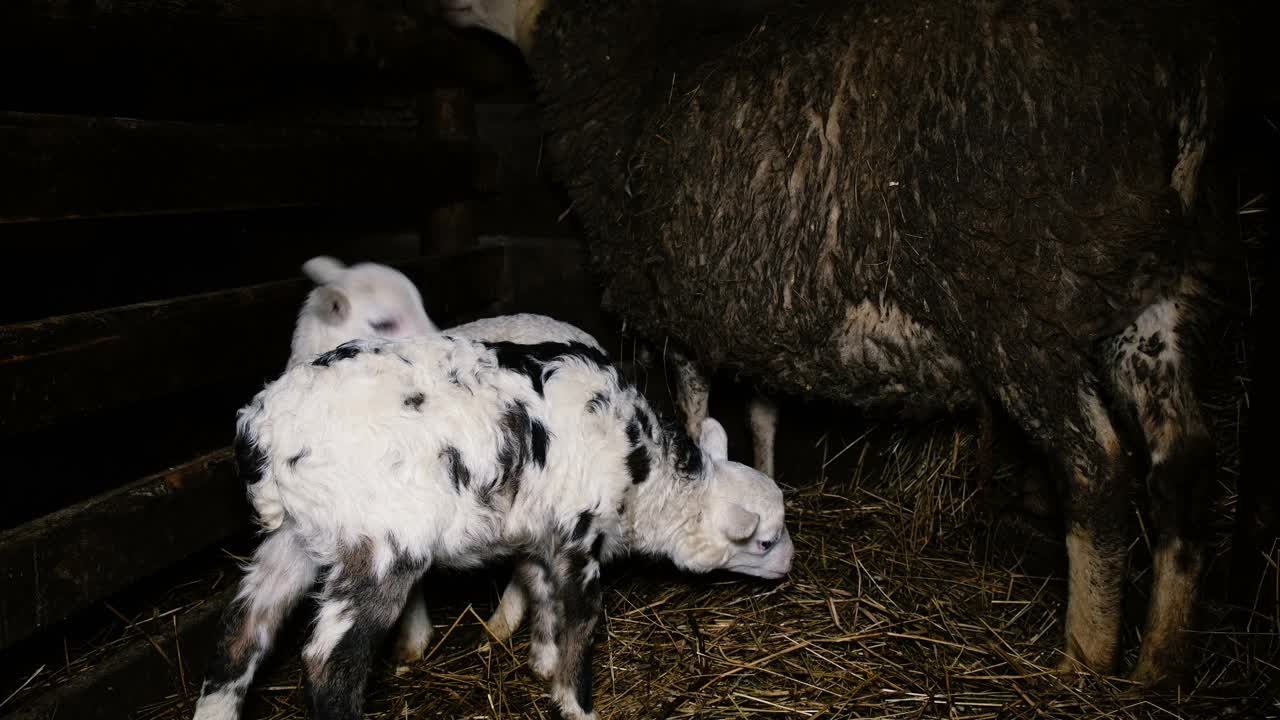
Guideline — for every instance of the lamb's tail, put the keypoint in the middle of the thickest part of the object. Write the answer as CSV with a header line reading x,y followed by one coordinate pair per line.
x,y
254,468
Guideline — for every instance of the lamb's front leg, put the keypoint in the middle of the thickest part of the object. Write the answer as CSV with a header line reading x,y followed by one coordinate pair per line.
x,y
415,630
576,577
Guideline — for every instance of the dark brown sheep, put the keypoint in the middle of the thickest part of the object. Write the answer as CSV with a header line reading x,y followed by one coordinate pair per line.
x,y
906,205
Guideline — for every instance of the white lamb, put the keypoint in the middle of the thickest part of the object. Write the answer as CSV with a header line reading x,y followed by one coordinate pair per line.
x,y
363,300
380,459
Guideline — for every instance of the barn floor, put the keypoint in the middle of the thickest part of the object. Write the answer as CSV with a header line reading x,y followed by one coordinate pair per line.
x,y
915,594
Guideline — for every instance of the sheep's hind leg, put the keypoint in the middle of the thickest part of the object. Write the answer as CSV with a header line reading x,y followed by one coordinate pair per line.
x,y
275,579
1096,473
358,606
1153,374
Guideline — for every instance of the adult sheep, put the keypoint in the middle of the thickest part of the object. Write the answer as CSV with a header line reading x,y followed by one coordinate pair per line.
x,y
909,205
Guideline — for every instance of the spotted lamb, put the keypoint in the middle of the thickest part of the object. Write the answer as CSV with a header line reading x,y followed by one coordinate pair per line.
x,y
381,459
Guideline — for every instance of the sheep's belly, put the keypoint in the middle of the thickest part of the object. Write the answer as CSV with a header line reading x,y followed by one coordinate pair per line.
x,y
881,360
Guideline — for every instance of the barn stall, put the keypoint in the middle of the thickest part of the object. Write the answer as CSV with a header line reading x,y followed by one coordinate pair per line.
x,y
164,176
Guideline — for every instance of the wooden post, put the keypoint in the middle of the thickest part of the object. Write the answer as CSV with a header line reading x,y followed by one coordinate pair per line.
x,y
448,113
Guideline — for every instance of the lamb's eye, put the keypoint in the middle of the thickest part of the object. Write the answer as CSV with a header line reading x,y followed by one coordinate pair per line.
x,y
383,326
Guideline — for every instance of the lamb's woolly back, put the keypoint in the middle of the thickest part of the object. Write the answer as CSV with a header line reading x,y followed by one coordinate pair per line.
x,y
363,300
440,442
525,329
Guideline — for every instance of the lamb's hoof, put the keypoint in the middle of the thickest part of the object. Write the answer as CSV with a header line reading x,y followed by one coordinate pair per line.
x,y
543,663
410,650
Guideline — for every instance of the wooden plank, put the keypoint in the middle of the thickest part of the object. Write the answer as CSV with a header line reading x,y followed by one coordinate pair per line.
x,y
78,364
137,675
60,167
64,562
222,40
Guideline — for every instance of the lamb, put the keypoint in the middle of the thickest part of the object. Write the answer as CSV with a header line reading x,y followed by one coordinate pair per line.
x,y
363,300
916,208
382,458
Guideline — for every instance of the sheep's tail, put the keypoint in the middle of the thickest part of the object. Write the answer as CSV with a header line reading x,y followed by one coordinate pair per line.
x,y
254,468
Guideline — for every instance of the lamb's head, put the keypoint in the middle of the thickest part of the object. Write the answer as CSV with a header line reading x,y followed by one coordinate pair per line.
x,y
740,524
512,19
360,301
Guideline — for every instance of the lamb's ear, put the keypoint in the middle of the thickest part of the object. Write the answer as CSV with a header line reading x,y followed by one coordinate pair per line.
x,y
714,441
323,269
737,522
331,304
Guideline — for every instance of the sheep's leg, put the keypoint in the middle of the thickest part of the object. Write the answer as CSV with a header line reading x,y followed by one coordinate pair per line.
x,y
693,393
358,606
535,576
415,628
277,577
764,428
509,613
1153,374
577,586
1095,477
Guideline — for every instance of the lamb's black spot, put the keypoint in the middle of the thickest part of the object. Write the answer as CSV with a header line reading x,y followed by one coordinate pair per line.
x,y
415,401
598,402
345,351
687,454
540,438
250,460
404,359
583,680
645,426
583,525
596,546
516,428
377,351
638,461
530,360
293,461
459,475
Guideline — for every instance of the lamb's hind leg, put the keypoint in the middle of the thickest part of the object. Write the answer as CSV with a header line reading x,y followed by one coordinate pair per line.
x,y
576,578
1154,376
277,577
362,597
